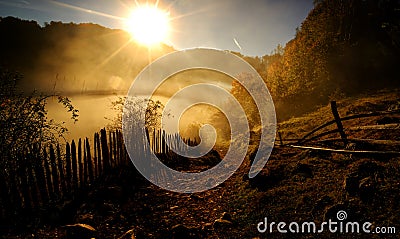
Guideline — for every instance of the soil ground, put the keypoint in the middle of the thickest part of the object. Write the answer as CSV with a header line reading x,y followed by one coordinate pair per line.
x,y
295,186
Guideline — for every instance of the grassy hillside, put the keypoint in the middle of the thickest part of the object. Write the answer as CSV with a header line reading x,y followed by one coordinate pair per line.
x,y
72,57
295,186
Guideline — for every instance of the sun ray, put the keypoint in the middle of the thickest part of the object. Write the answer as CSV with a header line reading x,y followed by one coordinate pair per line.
x,y
165,9
148,24
86,10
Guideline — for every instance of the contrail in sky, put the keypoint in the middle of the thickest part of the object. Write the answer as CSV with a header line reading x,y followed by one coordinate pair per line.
x,y
237,43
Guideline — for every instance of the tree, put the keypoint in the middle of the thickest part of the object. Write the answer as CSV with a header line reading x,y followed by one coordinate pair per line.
x,y
25,130
153,112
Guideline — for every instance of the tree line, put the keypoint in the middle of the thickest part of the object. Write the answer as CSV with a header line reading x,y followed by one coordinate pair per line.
x,y
343,47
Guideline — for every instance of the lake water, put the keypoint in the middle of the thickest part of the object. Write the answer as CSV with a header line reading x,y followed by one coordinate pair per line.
x,y
93,113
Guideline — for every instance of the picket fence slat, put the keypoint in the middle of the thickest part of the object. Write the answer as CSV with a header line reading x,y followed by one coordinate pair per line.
x,y
45,175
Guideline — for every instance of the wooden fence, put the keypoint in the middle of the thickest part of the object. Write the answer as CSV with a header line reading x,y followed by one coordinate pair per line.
x,y
313,135
39,177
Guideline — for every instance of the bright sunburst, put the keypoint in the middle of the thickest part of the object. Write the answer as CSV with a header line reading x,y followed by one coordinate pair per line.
x,y
148,25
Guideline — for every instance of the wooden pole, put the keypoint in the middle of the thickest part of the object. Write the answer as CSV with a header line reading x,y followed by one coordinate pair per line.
x,y
99,156
54,174
339,123
48,174
68,169
104,151
40,178
74,166
80,163
61,170
90,163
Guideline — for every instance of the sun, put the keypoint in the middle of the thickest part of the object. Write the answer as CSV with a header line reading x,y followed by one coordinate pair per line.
x,y
148,25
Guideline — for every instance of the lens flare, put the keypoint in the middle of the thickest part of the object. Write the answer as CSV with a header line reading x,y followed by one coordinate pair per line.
x,y
148,25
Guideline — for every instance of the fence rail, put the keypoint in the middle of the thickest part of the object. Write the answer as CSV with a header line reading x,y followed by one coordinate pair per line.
x,y
313,136
38,177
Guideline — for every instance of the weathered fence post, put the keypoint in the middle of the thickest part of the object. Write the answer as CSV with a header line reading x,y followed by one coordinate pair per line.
x,y
48,174
33,187
90,164
280,137
110,150
40,176
95,169
61,170
99,155
80,163
85,164
68,167
74,166
104,151
24,184
339,123
54,175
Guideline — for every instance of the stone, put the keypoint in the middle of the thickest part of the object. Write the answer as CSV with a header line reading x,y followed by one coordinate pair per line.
x,y
85,218
367,188
128,235
321,204
180,231
207,227
304,170
80,231
369,168
265,180
221,223
226,216
351,184
105,209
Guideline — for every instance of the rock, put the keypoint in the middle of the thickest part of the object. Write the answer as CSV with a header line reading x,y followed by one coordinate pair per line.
x,y
80,231
105,209
85,218
221,223
226,216
304,170
128,235
321,204
207,227
351,184
367,188
180,231
265,180
369,168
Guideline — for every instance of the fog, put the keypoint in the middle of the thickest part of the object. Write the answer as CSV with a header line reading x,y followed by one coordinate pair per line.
x,y
95,110
92,65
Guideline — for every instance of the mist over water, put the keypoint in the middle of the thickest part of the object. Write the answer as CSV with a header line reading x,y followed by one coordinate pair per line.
x,y
94,114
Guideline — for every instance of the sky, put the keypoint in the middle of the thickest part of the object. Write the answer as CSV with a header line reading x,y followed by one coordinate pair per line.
x,y
251,27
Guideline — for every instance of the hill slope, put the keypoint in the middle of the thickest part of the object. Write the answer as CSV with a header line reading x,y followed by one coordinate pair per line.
x,y
72,57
